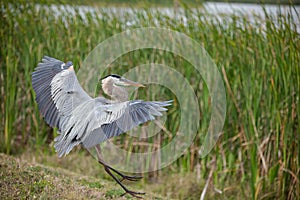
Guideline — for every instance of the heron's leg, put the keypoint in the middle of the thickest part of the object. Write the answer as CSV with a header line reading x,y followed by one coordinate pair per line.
x,y
124,177
108,168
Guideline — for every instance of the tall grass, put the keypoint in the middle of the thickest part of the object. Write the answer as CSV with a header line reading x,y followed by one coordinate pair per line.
x,y
258,152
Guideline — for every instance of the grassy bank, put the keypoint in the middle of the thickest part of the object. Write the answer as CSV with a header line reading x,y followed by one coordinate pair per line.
x,y
258,153
21,179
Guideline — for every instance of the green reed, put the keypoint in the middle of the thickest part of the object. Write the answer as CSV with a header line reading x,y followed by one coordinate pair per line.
x,y
258,152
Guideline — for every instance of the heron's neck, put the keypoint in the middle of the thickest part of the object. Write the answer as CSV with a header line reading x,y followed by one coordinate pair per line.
x,y
117,93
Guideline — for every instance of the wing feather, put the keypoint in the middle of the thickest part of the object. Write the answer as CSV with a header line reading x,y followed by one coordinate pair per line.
x,y
41,80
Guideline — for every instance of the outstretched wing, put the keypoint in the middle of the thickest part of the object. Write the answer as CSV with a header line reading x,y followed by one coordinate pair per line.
x,y
57,90
136,112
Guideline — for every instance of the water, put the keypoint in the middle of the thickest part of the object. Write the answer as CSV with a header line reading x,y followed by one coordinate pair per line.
x,y
248,9
253,12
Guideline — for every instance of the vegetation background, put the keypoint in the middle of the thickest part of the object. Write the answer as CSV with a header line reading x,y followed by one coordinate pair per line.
x,y
258,154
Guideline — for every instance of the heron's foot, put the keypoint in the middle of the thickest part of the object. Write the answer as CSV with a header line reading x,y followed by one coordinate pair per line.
x,y
130,178
134,194
123,176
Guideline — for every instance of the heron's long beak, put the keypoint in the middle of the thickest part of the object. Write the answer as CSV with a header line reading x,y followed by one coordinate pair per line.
x,y
127,82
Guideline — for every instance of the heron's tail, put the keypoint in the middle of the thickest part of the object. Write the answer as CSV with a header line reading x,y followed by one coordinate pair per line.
x,y
63,146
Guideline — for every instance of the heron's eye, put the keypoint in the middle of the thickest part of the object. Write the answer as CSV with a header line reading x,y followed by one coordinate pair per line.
x,y
119,84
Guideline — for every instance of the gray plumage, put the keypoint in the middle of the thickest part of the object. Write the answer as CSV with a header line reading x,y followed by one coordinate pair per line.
x,y
81,119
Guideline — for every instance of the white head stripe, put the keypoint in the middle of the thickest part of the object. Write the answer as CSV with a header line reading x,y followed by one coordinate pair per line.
x,y
62,65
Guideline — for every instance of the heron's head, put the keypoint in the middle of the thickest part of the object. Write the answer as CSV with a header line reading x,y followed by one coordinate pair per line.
x,y
115,86
116,80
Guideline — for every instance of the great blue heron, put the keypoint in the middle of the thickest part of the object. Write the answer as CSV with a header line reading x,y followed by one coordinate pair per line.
x,y
88,121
